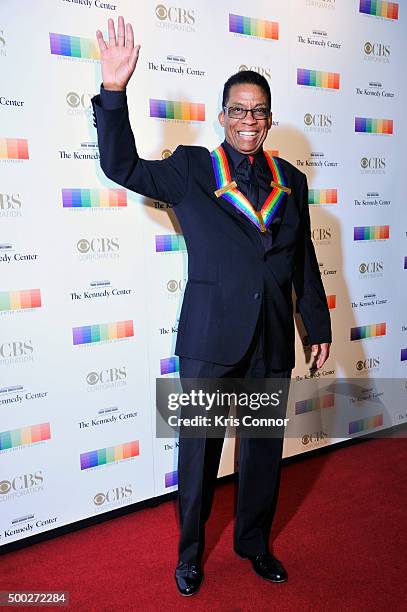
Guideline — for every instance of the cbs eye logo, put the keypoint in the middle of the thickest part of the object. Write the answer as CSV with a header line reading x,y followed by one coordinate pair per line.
x,y
172,286
364,162
5,487
99,499
161,12
83,245
175,14
92,378
368,48
74,100
363,268
308,119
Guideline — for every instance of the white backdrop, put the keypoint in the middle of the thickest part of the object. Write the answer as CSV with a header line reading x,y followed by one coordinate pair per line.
x,y
77,419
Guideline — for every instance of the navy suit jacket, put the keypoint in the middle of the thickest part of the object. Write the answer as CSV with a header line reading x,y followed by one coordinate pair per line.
x,y
229,272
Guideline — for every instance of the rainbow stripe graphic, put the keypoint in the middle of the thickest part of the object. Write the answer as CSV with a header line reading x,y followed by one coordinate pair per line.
x,y
102,331
322,196
331,300
110,454
367,423
171,479
73,46
368,331
371,232
403,355
373,126
170,242
183,111
253,27
318,78
14,148
94,198
24,435
261,219
379,8
325,401
170,365
18,300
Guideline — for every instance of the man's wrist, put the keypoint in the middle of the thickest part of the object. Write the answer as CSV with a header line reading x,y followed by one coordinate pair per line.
x,y
112,88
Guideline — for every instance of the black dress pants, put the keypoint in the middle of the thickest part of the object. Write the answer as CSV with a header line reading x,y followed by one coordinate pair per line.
x,y
259,465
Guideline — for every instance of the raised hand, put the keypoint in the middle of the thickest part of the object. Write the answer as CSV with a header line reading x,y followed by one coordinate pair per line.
x,y
119,57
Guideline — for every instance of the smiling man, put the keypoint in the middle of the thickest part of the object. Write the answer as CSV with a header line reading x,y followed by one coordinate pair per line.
x,y
244,215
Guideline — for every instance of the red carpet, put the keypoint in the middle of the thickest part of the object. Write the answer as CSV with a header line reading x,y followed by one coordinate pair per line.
x,y
340,531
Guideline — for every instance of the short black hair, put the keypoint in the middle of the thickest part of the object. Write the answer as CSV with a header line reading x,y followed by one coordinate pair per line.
x,y
246,77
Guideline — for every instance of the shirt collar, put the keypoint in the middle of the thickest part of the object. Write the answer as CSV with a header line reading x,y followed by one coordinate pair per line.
x,y
238,158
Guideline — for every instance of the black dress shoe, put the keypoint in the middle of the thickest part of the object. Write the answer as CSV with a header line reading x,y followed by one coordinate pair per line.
x,y
188,577
267,566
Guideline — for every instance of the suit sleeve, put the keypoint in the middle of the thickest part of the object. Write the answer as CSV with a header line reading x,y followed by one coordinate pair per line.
x,y
311,298
164,180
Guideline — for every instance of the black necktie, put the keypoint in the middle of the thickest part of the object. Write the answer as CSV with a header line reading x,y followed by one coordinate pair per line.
x,y
252,194
248,183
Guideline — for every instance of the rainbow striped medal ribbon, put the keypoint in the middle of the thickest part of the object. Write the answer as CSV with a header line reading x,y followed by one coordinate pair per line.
x,y
227,189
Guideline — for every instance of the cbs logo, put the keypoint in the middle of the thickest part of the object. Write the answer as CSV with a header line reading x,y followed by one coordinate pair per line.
x,y
175,14
374,163
106,376
16,349
314,437
113,495
98,245
308,119
367,364
173,286
377,49
371,267
83,245
5,486
21,483
321,233
10,201
74,100
318,120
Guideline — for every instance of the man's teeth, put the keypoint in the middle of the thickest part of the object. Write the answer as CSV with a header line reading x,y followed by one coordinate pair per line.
x,y
248,133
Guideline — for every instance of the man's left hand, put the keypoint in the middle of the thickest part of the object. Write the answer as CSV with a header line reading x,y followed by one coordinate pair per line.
x,y
320,352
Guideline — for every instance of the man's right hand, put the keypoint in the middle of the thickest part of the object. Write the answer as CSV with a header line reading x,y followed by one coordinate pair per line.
x,y
119,57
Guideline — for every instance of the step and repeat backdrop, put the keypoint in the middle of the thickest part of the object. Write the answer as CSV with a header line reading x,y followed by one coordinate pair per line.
x,y
92,276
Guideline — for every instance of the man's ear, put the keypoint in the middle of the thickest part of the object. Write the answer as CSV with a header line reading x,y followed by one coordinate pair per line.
x,y
221,118
270,121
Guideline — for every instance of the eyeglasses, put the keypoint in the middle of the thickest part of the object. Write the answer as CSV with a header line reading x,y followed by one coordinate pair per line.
x,y
238,112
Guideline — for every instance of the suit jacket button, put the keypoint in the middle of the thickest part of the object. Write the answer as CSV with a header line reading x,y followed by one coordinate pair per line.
x,y
257,296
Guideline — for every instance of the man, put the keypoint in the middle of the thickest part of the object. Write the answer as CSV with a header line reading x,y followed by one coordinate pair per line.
x,y
245,219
